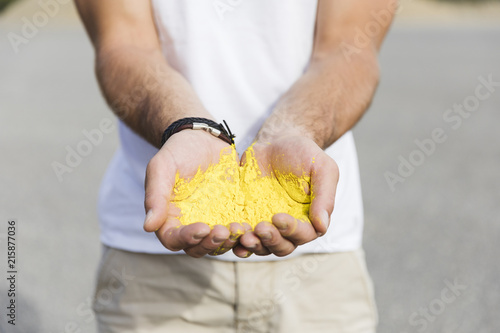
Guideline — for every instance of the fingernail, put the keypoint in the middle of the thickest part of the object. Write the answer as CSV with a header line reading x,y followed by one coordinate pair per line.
x,y
200,235
280,225
148,219
265,236
248,254
325,219
218,240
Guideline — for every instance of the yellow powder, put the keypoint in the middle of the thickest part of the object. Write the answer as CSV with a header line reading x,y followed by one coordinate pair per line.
x,y
227,193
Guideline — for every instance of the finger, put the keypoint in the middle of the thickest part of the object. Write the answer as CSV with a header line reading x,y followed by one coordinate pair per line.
x,y
324,179
158,187
235,230
247,227
296,231
273,241
176,237
252,243
218,235
241,252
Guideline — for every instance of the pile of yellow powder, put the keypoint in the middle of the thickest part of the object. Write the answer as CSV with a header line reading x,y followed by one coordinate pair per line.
x,y
227,193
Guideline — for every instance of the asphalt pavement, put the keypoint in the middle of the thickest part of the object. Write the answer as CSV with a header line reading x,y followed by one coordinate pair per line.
x,y
429,157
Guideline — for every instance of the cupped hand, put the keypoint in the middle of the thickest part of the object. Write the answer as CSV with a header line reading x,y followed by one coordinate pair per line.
x,y
184,153
298,156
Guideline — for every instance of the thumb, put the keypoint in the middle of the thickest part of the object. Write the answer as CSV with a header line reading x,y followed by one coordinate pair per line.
x,y
158,188
324,179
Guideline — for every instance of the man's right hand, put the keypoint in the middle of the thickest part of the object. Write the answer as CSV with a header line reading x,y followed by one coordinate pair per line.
x,y
184,153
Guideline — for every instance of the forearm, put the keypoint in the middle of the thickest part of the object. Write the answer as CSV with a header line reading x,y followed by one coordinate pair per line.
x,y
144,91
326,101
136,80
343,74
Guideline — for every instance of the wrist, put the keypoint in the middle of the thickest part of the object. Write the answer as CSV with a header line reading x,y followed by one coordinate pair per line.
x,y
197,124
198,145
268,135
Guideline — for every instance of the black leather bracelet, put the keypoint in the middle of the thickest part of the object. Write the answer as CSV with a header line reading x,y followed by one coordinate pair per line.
x,y
210,126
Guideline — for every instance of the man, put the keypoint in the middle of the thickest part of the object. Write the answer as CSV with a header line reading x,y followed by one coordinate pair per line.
x,y
292,76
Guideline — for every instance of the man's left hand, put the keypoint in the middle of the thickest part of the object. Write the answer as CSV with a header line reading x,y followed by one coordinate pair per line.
x,y
300,156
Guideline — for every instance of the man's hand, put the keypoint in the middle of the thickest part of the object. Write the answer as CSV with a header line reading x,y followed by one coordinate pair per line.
x,y
300,156
184,153
320,107
128,58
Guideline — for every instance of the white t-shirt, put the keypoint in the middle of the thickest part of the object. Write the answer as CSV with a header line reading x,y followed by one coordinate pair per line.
x,y
240,56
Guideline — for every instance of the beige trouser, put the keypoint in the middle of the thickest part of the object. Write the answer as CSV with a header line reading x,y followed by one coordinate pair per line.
x,y
311,293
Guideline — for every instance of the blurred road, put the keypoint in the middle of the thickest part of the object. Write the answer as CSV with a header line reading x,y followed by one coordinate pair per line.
x,y
432,244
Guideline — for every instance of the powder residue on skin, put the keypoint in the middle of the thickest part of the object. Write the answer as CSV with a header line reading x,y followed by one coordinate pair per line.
x,y
227,193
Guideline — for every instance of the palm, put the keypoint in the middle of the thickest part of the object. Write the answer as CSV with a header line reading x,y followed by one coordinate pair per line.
x,y
182,156
198,184
309,177
192,152
290,161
